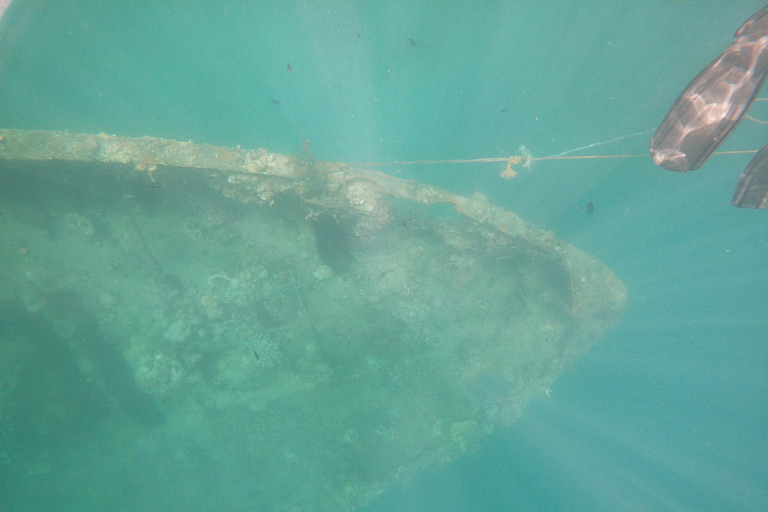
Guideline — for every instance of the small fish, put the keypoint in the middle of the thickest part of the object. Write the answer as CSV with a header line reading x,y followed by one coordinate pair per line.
x,y
590,208
255,354
276,102
412,41
289,68
358,36
502,111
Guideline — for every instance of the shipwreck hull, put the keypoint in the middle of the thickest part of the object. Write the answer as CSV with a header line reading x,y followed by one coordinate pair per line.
x,y
314,327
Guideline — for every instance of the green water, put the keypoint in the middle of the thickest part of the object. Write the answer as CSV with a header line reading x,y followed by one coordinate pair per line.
x,y
667,412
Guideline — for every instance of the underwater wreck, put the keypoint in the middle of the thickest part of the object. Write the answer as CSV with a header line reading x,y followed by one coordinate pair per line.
x,y
313,324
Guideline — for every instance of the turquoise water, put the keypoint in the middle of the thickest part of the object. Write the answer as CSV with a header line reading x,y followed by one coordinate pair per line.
x,y
668,411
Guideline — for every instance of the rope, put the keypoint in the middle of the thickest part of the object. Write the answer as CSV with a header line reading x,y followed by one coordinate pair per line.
x,y
527,159
518,159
